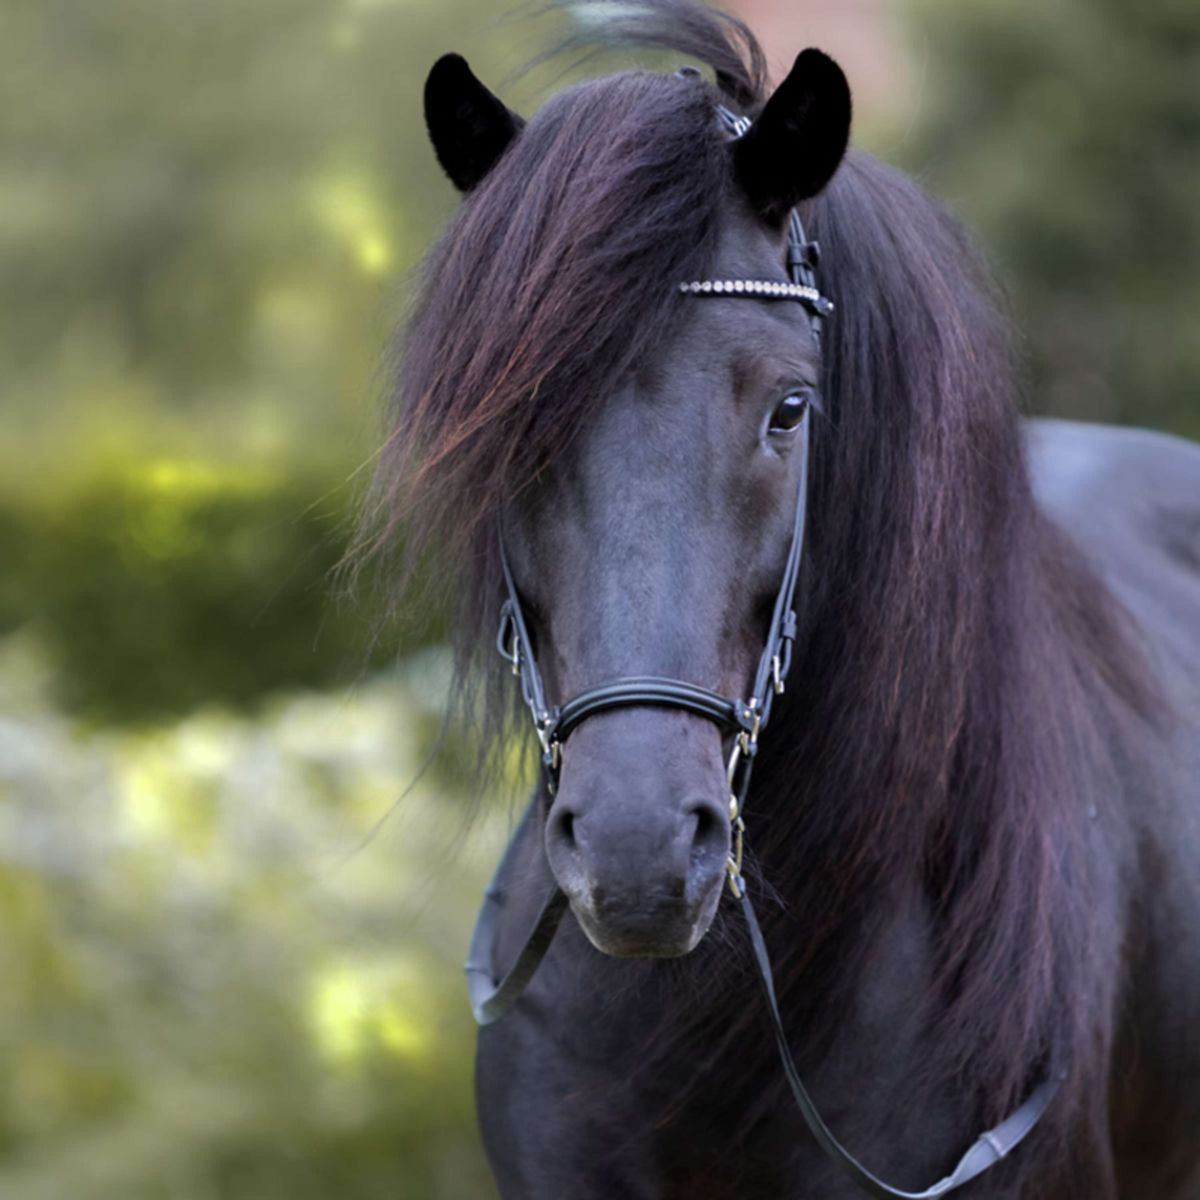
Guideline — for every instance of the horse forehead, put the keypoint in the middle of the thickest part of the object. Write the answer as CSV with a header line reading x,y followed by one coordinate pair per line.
x,y
717,334
652,442
746,246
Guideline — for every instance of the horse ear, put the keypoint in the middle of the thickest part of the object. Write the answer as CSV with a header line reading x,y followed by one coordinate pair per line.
x,y
469,127
792,150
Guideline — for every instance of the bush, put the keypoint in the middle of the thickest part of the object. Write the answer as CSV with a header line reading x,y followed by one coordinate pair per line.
x,y
1067,133
159,587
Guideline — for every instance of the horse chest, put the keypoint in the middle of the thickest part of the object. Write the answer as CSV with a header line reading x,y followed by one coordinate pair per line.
x,y
622,1079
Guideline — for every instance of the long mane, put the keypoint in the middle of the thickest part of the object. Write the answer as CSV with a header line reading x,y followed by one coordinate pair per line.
x,y
966,693
970,693
541,294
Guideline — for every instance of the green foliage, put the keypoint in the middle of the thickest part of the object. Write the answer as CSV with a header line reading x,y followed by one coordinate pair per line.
x,y
219,981
1067,132
205,211
172,583
212,989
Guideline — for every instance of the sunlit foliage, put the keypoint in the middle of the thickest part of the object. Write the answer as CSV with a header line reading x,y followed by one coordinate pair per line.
x,y
216,981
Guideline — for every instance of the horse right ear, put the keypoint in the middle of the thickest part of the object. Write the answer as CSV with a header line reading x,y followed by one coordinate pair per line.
x,y
469,127
793,148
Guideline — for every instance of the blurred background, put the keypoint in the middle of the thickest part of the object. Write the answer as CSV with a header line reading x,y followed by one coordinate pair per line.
x,y
229,952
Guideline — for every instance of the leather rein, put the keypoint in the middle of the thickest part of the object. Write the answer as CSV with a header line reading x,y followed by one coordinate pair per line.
x,y
745,720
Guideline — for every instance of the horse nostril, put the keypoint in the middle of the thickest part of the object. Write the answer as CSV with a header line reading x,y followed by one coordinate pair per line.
x,y
566,853
710,834
562,828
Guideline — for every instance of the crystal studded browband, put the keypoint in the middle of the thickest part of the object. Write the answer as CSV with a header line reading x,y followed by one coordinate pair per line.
x,y
765,288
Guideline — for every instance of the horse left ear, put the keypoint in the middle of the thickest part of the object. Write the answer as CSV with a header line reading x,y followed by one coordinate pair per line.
x,y
469,126
792,150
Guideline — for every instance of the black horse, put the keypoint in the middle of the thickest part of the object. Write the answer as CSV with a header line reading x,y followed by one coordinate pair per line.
x,y
974,825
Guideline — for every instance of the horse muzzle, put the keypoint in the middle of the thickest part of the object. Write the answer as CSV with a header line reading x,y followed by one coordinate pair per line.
x,y
638,835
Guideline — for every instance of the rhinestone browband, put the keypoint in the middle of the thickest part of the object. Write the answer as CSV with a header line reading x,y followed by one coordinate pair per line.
x,y
764,288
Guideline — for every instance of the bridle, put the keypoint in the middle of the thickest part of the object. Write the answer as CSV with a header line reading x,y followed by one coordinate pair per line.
x,y
745,719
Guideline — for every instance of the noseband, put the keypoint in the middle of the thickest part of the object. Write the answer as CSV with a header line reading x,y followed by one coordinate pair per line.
x,y
745,720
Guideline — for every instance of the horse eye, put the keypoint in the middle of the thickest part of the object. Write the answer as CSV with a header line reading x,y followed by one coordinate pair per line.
x,y
790,412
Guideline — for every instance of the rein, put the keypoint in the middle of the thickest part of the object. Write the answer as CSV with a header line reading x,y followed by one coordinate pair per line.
x,y
745,720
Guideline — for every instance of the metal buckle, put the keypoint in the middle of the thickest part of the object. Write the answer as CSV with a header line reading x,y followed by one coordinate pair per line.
x,y
733,864
508,641
745,746
734,756
748,738
543,725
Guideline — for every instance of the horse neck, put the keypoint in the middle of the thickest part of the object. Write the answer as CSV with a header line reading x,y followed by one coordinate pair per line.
x,y
959,788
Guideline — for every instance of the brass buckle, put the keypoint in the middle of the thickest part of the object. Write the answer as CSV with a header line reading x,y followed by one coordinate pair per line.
x,y
733,864
744,746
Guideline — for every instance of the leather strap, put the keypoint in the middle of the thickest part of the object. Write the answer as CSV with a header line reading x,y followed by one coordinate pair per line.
x,y
491,1000
987,1150
653,690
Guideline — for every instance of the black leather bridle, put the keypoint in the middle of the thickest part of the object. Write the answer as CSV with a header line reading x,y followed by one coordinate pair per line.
x,y
745,720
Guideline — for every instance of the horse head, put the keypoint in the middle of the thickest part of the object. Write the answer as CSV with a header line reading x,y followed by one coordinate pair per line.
x,y
654,542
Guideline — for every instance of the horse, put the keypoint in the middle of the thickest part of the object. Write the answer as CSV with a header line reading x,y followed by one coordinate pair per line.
x,y
973,830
